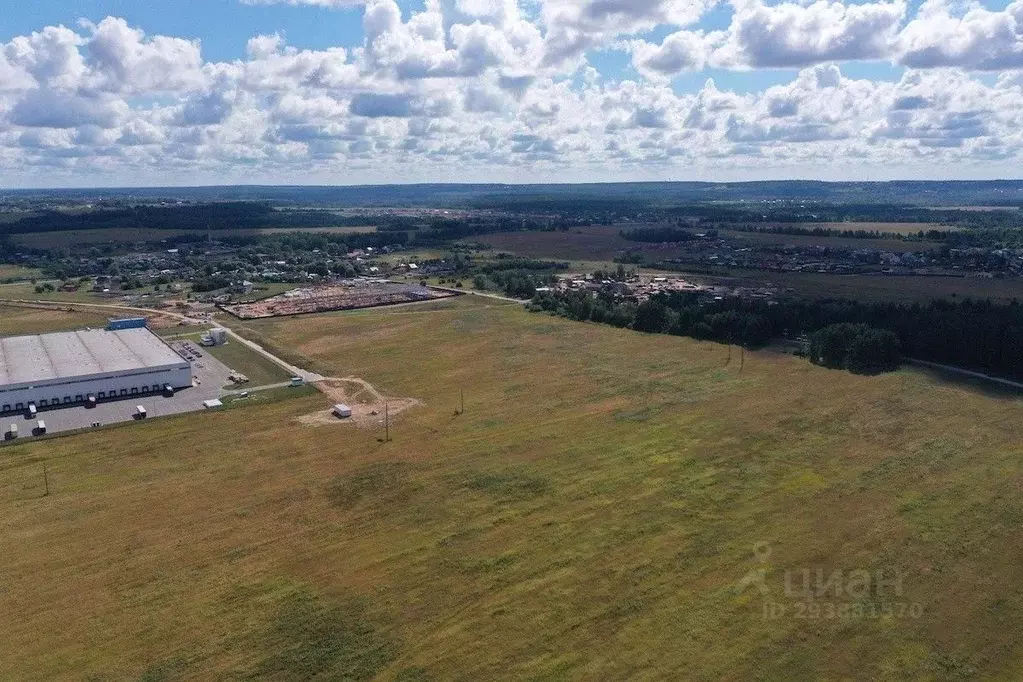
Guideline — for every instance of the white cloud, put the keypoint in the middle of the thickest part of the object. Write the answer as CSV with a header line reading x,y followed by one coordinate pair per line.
x,y
50,57
122,60
980,39
574,26
498,90
792,35
681,51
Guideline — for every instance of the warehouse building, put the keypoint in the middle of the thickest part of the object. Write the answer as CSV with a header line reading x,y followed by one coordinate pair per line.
x,y
67,368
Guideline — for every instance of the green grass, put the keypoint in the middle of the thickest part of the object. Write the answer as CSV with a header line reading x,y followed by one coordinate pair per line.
x,y
14,273
260,370
22,320
266,290
589,516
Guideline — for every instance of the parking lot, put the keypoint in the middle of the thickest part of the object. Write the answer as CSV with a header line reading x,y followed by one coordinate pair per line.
x,y
209,376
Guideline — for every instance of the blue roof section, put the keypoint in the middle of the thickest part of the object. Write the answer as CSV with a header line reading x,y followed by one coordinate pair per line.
x,y
127,323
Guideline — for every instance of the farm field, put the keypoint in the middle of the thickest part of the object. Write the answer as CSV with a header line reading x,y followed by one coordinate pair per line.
x,y
590,516
577,244
603,243
893,245
16,272
871,287
19,320
26,292
897,228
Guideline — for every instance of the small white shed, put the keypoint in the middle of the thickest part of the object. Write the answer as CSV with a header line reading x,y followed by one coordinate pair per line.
x,y
342,411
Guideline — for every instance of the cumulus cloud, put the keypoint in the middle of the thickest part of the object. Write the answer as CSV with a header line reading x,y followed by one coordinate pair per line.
x,y
574,26
793,35
979,39
121,59
502,89
681,51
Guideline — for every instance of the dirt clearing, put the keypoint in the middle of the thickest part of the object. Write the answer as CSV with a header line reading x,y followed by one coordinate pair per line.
x,y
367,403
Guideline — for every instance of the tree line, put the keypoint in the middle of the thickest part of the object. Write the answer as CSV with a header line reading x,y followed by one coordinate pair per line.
x,y
978,335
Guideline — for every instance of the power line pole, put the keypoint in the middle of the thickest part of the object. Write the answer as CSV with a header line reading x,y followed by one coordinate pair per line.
x,y
462,410
46,481
387,424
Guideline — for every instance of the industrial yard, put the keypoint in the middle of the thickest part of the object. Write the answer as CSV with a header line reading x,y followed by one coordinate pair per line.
x,y
349,295
122,373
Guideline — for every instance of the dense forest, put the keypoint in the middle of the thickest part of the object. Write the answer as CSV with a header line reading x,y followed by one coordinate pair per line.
x,y
978,335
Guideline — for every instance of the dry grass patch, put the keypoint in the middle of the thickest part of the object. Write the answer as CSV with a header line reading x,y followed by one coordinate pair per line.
x,y
587,517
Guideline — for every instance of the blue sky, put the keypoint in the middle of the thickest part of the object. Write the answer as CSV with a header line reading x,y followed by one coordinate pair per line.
x,y
223,26
504,90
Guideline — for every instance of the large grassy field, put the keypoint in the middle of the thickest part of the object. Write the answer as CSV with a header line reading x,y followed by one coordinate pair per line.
x,y
893,245
18,320
589,516
12,273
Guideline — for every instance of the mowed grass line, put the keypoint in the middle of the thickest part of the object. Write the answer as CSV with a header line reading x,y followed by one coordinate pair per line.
x,y
587,517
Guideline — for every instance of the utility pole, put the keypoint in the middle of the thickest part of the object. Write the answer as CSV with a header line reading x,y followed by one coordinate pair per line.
x,y
742,360
462,410
46,481
387,424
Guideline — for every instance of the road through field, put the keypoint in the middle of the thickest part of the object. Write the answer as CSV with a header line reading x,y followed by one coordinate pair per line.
x,y
483,294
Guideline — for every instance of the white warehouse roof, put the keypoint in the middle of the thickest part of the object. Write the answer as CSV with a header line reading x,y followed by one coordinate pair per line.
x,y
45,357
